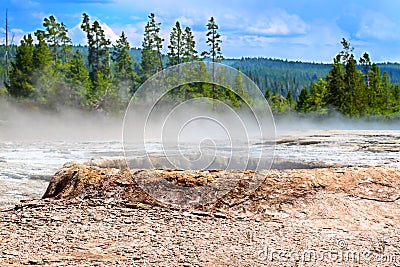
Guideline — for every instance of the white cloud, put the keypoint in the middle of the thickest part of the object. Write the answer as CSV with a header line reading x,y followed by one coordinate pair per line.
x,y
109,33
17,31
135,18
14,35
319,43
79,37
134,32
278,23
38,15
27,4
378,26
185,21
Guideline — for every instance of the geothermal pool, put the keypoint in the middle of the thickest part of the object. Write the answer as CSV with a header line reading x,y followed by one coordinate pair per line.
x,y
26,167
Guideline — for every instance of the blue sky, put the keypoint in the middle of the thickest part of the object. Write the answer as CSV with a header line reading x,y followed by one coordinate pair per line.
x,y
288,29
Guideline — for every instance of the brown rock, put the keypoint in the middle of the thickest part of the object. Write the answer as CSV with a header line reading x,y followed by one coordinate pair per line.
x,y
279,188
74,179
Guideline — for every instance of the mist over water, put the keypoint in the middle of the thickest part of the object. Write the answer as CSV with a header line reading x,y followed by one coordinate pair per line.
x,y
33,124
334,121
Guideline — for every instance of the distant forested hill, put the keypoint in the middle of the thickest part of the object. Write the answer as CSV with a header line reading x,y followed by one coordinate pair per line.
x,y
277,75
280,76
393,69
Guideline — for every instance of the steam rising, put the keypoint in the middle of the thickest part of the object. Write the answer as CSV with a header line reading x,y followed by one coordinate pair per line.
x,y
199,133
333,121
24,123
66,124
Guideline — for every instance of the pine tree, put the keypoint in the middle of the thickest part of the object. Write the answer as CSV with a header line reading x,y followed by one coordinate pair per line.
x,y
344,87
98,49
347,52
303,103
57,39
189,52
317,96
87,27
366,65
387,89
175,54
395,99
48,84
239,85
376,90
125,75
214,53
151,48
41,54
77,76
214,42
267,95
101,50
241,96
365,62
290,100
99,61
66,43
279,103
336,86
22,69
175,57
201,73
355,89
52,35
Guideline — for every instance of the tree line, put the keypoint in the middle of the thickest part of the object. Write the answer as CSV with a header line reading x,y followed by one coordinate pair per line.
x,y
354,88
49,70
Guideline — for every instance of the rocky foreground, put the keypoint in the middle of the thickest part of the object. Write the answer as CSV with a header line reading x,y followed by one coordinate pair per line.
x,y
99,216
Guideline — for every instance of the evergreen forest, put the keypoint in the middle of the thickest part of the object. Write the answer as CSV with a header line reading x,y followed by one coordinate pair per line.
x,y
47,70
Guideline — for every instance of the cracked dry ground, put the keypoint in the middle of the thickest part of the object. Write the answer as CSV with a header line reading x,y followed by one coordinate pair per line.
x,y
93,216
